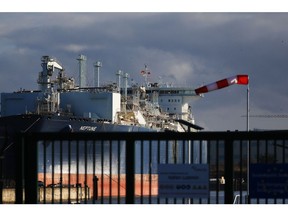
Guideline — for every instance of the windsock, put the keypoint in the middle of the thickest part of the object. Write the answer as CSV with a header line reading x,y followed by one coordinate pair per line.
x,y
237,79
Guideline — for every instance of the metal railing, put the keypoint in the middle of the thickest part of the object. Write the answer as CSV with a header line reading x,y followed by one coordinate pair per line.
x,y
123,167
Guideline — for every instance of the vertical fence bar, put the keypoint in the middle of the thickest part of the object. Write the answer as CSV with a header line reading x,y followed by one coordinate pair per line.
x,y
77,172
240,170
158,162
166,160
200,160
2,156
110,171
69,171
141,170
44,171
31,171
266,161
150,172
283,150
191,159
248,149
228,170
95,179
275,160
257,161
174,157
85,172
184,142
130,171
208,162
1,176
283,159
102,171
19,169
53,166
61,171
118,171
217,172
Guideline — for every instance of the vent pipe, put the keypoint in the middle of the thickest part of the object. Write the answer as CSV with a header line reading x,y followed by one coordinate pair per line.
x,y
97,66
82,70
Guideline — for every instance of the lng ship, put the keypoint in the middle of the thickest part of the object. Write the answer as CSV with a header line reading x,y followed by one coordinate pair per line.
x,y
59,105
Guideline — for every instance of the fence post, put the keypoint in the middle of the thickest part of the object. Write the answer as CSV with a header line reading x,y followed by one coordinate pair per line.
x,y
228,170
1,178
31,170
19,174
130,171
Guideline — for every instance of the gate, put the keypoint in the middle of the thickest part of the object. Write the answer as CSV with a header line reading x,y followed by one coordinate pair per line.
x,y
124,167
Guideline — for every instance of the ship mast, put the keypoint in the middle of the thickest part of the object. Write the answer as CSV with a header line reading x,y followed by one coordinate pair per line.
x,y
145,72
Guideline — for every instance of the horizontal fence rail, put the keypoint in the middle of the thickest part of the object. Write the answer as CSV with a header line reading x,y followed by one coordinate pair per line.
x,y
98,168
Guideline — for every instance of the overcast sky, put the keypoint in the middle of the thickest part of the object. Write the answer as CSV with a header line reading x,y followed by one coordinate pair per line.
x,y
189,49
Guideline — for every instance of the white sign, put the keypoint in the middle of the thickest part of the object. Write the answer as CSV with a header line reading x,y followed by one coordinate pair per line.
x,y
183,180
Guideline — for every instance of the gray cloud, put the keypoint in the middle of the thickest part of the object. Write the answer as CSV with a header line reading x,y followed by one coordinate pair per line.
x,y
184,48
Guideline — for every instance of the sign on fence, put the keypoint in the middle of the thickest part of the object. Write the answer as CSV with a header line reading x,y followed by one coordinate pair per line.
x,y
183,180
268,180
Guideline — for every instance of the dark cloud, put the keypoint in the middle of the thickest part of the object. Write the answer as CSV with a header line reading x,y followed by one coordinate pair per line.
x,y
184,48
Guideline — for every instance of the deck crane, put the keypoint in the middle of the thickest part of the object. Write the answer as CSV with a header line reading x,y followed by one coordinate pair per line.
x,y
49,101
48,65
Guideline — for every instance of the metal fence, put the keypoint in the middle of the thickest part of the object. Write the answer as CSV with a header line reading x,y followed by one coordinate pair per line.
x,y
124,167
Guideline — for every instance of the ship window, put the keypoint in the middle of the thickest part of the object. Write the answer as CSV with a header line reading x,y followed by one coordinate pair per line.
x,y
167,108
168,100
174,108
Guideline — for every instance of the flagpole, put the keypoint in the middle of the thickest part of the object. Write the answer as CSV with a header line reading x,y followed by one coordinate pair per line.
x,y
248,142
248,110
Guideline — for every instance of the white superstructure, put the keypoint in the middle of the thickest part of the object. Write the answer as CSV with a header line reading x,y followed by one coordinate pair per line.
x,y
151,105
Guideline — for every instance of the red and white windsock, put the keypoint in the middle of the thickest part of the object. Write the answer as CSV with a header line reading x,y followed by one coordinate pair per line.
x,y
237,79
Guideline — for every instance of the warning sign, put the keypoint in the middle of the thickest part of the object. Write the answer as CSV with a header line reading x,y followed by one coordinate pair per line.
x,y
183,180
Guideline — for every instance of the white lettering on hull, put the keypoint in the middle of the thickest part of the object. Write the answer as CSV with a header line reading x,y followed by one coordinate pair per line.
x,y
87,128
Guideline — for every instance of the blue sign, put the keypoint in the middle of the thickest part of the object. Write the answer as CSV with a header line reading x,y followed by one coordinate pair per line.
x,y
268,180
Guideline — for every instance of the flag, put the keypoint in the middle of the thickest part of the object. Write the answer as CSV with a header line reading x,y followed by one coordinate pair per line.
x,y
145,72
237,79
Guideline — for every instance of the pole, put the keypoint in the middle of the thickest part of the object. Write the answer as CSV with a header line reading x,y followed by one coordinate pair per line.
x,y
97,76
189,158
248,110
248,143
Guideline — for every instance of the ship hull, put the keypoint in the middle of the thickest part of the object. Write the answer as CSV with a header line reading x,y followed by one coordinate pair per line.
x,y
111,177
105,160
